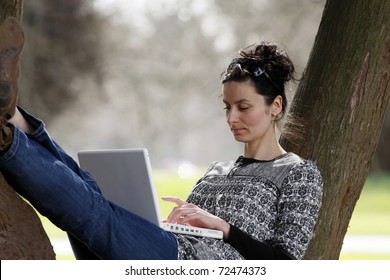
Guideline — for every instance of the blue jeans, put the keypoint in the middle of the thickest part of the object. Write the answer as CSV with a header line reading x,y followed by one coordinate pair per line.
x,y
40,171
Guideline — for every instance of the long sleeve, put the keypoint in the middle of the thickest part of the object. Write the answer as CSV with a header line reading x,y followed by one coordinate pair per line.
x,y
252,249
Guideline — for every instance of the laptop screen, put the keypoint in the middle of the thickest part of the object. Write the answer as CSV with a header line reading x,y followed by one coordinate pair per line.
x,y
124,177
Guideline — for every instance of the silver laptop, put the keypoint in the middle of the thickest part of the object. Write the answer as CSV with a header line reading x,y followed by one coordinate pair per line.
x,y
125,178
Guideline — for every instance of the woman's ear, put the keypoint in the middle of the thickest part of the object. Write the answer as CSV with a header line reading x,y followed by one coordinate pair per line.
x,y
277,105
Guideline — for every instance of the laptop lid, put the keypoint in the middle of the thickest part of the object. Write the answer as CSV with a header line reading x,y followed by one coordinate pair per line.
x,y
124,177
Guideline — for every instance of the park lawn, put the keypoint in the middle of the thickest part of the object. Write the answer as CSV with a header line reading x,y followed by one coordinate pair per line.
x,y
364,256
169,184
371,215
372,210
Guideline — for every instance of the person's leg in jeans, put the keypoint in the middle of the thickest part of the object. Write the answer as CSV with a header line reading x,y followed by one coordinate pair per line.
x,y
58,189
80,250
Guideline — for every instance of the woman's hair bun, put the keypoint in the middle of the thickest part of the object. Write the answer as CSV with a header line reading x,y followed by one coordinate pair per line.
x,y
272,58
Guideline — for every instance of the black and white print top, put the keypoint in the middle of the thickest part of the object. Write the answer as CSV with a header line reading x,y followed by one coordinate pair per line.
x,y
272,207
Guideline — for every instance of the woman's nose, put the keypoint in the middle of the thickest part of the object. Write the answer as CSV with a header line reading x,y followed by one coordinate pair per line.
x,y
231,117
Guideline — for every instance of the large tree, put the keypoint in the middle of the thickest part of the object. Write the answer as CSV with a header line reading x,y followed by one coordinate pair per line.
x,y
21,233
340,106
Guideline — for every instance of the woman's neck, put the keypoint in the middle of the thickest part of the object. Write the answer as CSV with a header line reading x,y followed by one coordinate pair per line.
x,y
263,151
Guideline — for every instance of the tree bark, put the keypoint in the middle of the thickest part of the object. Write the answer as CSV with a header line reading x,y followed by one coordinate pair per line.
x,y
12,8
21,233
342,98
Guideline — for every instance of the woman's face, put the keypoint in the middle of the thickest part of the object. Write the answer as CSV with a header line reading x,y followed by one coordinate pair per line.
x,y
247,114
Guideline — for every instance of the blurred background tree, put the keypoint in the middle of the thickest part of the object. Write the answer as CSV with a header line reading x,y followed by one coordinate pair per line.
x,y
381,160
62,50
146,73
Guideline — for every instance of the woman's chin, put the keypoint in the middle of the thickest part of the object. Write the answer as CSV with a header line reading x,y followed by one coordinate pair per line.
x,y
240,138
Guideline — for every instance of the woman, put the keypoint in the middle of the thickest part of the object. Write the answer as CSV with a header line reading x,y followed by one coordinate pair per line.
x,y
266,202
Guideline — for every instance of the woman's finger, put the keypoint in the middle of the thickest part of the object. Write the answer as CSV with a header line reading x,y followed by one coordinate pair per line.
x,y
173,199
179,212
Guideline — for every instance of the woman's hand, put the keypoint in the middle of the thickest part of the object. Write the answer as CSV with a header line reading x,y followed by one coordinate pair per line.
x,y
188,213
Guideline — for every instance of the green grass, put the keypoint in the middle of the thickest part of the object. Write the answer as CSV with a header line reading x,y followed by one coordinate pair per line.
x,y
372,210
370,223
364,256
371,215
169,184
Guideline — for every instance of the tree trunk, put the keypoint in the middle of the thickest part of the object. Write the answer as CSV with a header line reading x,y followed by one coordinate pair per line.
x,y
342,98
12,8
21,233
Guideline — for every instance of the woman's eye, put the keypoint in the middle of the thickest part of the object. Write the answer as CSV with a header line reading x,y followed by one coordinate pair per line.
x,y
244,108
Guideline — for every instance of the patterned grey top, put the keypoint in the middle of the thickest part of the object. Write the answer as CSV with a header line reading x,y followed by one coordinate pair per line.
x,y
276,202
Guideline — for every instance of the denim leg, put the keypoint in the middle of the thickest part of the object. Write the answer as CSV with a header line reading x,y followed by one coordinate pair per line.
x,y
41,136
80,250
47,177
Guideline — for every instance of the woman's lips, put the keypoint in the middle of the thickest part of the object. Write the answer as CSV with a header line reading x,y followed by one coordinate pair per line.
x,y
236,130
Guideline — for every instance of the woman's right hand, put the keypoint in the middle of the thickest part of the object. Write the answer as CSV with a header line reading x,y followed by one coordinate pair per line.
x,y
188,213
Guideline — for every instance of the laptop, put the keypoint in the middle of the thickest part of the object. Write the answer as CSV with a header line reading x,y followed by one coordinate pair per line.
x,y
125,178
